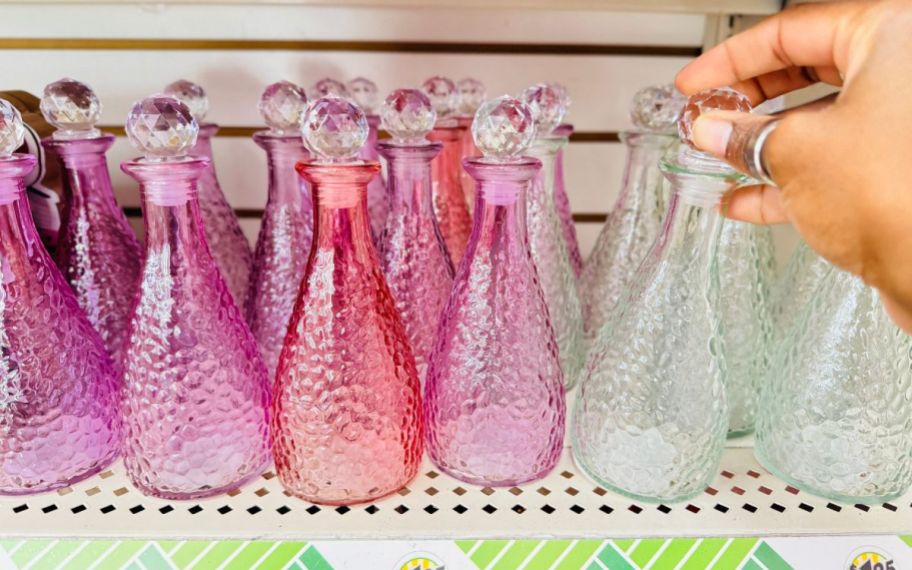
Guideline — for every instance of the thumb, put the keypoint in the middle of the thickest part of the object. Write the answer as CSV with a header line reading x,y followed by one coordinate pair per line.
x,y
737,138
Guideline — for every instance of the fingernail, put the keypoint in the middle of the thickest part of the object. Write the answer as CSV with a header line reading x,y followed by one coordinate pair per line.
x,y
711,135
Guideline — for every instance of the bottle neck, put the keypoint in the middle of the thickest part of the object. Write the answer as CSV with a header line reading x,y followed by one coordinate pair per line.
x,y
282,153
19,239
409,186
87,178
642,179
445,169
500,199
369,150
546,150
692,224
203,146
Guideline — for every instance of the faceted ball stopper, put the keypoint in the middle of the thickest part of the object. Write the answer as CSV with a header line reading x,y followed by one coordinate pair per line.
x,y
547,107
328,87
282,105
503,129
161,127
365,93
335,129
408,116
562,91
72,107
442,93
192,95
709,100
12,132
471,95
656,108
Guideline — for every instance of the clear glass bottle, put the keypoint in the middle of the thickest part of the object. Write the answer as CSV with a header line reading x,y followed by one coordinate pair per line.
x,y
471,93
97,252
286,230
546,237
347,423
562,203
364,93
196,390
227,242
494,396
412,251
796,288
60,411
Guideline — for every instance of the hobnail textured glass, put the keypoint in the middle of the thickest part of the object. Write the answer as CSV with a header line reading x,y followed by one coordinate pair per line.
x,y
377,199
449,201
562,203
834,416
795,289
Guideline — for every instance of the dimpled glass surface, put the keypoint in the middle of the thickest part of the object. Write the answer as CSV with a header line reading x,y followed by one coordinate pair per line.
x,y
835,417
495,405
59,395
562,203
377,200
196,391
796,287
449,201
347,423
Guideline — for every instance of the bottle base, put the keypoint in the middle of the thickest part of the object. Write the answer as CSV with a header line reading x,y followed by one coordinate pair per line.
x,y
351,500
38,489
734,434
633,495
201,493
481,481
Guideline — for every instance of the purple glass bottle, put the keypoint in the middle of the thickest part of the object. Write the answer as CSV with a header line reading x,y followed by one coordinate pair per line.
x,y
197,395
60,403
98,252
286,231
364,93
412,251
227,243
494,395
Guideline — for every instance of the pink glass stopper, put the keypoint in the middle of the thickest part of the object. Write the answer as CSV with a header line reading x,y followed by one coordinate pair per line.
x,y
408,116
282,106
710,100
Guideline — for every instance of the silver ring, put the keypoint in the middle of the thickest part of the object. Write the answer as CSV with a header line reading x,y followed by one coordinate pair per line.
x,y
756,166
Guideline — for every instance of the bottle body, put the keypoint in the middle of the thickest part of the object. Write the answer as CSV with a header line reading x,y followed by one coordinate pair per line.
x,y
377,199
61,412
449,201
468,151
796,288
495,405
562,203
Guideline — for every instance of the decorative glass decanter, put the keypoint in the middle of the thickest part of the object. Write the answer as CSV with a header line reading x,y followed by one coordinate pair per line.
x,y
98,252
561,199
449,200
196,391
796,288
546,236
834,417
227,242
347,423
286,231
471,94
364,93
60,403
652,413
494,395
412,252
635,221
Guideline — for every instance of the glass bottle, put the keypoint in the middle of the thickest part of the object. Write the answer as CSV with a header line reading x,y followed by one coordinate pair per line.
x,y
347,421
364,92
60,404
796,288
412,252
449,200
635,221
286,230
561,199
227,243
546,237
834,417
494,396
196,391
97,252
471,94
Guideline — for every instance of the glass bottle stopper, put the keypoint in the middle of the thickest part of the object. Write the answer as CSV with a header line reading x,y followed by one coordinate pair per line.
x,y
365,93
72,108
442,93
191,95
724,99
282,106
562,92
503,129
328,86
162,128
408,116
471,94
655,109
334,129
547,107
12,132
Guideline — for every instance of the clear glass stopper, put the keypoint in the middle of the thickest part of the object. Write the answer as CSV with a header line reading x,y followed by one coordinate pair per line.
x,y
503,129
282,105
328,87
192,95
335,129
12,132
656,108
72,108
709,100
365,93
472,94
547,107
562,91
442,93
162,127
408,116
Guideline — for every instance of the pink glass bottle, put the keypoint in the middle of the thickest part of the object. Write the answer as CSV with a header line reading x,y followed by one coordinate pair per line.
x,y
412,252
364,92
60,409
471,94
494,394
449,200
98,252
347,411
196,393
226,240
286,231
